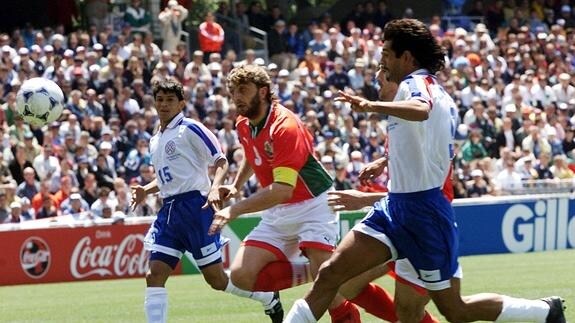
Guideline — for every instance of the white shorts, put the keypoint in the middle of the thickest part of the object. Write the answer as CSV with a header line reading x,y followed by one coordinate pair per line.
x,y
286,229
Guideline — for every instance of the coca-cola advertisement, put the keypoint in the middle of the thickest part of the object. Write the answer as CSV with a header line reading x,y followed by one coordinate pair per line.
x,y
69,254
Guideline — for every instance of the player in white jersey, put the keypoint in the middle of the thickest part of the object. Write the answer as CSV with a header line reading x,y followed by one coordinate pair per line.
x,y
415,220
182,150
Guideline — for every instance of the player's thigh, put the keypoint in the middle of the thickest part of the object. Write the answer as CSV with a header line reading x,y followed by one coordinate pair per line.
x,y
251,259
357,253
409,299
354,286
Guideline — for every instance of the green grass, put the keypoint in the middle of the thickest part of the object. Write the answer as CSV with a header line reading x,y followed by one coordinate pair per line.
x,y
530,275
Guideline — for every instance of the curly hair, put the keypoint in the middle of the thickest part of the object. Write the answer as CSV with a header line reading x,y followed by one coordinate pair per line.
x,y
413,35
250,74
169,86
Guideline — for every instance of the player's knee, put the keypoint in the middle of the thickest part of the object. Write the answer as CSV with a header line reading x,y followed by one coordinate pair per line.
x,y
242,279
453,314
217,283
409,313
156,278
331,274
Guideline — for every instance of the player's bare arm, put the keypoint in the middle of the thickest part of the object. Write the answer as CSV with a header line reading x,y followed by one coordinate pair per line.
x,y
244,173
139,192
214,197
266,198
411,110
372,170
350,200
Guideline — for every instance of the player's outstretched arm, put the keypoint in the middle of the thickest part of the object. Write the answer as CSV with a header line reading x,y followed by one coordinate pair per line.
x,y
139,192
350,200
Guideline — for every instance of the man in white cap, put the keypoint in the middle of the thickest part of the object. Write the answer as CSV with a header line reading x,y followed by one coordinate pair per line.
x,y
563,90
15,213
171,19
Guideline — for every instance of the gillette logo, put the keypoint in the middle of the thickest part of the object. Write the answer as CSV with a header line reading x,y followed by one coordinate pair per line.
x,y
545,226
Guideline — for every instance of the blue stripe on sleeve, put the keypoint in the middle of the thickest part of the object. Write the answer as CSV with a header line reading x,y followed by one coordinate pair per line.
x,y
198,131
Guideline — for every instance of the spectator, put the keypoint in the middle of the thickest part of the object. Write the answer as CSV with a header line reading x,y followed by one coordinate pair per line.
x,y
563,90
75,207
508,179
16,215
338,78
211,37
473,149
89,191
560,168
46,164
4,210
542,167
171,19
30,186
535,143
47,208
103,202
19,163
477,187
64,170
137,17
295,42
256,18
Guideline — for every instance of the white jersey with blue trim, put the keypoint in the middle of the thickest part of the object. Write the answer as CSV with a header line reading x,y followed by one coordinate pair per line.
x,y
181,154
420,152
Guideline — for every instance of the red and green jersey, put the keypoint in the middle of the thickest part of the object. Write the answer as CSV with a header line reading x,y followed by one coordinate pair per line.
x,y
280,149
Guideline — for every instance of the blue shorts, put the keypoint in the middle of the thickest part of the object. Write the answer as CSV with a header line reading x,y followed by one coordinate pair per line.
x,y
182,225
422,228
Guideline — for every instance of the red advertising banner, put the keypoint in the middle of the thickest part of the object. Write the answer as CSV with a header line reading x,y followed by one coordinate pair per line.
x,y
71,254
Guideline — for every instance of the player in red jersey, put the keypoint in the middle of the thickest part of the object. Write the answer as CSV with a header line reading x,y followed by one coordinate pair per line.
x,y
296,218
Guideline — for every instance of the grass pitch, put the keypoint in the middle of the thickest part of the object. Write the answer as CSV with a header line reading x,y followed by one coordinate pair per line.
x,y
531,275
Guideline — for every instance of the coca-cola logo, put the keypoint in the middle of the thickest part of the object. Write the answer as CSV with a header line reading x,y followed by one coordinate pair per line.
x,y
128,258
35,257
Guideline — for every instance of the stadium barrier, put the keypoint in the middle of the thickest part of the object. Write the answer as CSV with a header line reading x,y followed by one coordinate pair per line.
x,y
54,251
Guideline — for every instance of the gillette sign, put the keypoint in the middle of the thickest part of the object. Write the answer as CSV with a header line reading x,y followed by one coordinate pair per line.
x,y
516,227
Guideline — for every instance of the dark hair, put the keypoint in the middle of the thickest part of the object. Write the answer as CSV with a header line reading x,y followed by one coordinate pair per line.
x,y
412,35
169,86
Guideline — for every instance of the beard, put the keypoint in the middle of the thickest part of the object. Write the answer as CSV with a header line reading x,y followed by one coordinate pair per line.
x,y
253,108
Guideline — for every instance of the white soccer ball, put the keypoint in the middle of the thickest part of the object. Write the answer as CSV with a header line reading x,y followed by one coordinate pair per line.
x,y
40,101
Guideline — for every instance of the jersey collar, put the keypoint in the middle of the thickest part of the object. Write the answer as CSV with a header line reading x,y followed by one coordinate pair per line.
x,y
421,71
256,129
175,121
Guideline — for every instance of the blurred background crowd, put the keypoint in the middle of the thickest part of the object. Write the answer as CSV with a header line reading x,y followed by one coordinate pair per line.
x,y
510,66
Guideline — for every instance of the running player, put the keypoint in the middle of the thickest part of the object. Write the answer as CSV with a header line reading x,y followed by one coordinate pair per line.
x,y
296,218
182,150
415,220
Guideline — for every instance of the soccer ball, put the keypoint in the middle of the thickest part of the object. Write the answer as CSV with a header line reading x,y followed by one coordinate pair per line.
x,y
39,101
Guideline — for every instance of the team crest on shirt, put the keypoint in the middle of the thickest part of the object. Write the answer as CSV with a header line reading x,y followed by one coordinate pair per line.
x,y
170,150
170,147
268,149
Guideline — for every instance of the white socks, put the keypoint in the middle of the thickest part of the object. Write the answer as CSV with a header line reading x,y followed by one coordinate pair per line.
x,y
523,310
300,313
156,304
263,297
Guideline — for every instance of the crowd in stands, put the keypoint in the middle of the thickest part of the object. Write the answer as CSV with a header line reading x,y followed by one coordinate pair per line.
x,y
511,76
